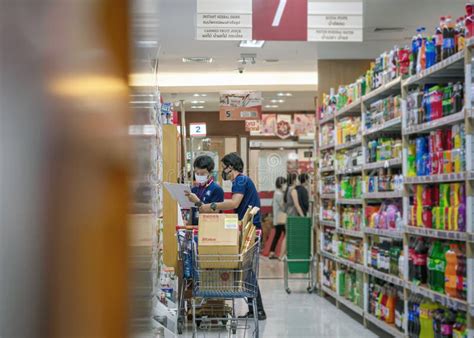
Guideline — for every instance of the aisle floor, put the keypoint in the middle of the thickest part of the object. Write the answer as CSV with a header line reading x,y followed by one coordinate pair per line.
x,y
298,314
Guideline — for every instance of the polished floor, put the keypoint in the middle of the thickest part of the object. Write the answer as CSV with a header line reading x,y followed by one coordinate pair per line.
x,y
296,315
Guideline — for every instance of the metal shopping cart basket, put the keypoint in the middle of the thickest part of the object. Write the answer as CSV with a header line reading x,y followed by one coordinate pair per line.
x,y
299,258
226,277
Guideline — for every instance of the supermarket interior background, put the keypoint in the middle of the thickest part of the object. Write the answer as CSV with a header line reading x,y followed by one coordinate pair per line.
x,y
106,105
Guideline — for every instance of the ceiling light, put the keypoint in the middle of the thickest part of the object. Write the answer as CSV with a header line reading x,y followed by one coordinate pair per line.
x,y
199,59
197,102
197,107
277,101
271,106
251,43
284,94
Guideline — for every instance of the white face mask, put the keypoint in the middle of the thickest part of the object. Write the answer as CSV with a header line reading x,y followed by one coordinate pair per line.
x,y
201,179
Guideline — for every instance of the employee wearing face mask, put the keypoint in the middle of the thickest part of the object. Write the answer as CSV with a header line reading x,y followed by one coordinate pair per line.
x,y
244,194
205,190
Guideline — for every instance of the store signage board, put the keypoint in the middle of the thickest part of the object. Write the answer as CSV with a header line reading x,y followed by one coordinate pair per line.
x,y
252,125
198,129
279,20
238,105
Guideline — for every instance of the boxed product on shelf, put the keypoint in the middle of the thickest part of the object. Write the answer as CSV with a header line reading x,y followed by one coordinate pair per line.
x,y
348,129
386,303
328,211
387,215
329,272
327,134
386,255
351,285
328,184
350,187
382,111
439,264
429,319
434,102
440,152
438,206
351,249
327,158
347,94
350,159
382,182
384,148
351,217
329,241
328,105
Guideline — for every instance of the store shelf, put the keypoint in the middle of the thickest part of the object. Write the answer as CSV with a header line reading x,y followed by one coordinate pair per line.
x,y
350,109
327,223
389,328
449,68
432,125
385,277
383,91
355,266
330,256
389,126
326,169
329,118
328,196
347,232
382,195
354,201
453,303
349,145
348,171
470,237
326,147
384,232
393,163
453,177
427,232
353,307
329,291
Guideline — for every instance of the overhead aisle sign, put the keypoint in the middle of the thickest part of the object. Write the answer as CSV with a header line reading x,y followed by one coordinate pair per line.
x,y
279,20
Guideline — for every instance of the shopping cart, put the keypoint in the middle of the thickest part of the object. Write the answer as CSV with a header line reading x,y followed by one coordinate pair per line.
x,y
234,278
299,258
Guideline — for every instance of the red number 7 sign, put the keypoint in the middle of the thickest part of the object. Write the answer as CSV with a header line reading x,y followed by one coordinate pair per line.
x,y
282,20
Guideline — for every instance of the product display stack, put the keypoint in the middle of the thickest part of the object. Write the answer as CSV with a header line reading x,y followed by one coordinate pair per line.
x,y
396,212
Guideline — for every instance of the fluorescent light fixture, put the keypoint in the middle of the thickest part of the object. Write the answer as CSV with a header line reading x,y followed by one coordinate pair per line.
x,y
284,94
277,101
197,107
198,59
251,43
198,102
271,106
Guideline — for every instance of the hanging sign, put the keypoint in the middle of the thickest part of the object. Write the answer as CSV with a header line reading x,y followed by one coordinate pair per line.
x,y
198,129
279,20
283,126
252,125
239,105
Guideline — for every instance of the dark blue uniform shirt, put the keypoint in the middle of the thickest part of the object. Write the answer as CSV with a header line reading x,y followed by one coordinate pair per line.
x,y
212,193
244,185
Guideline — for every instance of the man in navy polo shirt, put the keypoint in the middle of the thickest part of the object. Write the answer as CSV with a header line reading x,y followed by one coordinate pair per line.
x,y
244,194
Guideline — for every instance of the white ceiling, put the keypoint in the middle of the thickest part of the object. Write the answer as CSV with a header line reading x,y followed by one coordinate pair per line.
x,y
176,40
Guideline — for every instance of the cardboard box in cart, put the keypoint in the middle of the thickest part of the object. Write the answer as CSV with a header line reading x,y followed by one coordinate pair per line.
x,y
218,236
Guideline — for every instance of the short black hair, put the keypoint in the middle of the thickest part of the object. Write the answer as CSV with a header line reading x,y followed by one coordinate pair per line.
x,y
233,160
291,178
204,162
279,182
303,178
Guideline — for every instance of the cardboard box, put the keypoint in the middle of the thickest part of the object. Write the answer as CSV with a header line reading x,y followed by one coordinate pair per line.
x,y
218,235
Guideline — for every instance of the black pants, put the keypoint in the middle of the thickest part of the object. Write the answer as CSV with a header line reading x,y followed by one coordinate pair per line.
x,y
259,302
279,229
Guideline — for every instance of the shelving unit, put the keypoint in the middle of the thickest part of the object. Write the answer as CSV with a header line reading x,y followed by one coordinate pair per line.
x,y
457,67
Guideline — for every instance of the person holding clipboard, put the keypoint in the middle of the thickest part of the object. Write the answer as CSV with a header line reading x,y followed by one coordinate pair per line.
x,y
205,190
244,195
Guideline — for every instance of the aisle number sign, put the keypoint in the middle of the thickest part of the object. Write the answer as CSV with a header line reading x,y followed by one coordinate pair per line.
x,y
279,20
197,129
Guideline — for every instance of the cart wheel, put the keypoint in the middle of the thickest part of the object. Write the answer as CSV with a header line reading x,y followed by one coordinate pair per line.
x,y
224,322
288,291
180,326
198,323
309,289
233,327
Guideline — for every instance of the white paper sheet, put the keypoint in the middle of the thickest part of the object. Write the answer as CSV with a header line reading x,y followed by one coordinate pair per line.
x,y
177,191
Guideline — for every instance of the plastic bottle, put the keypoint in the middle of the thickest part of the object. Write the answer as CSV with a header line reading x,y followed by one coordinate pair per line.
x,y
447,323
383,305
440,267
390,307
437,318
460,327
461,281
401,263
426,319
419,261
431,264
411,255
448,38
420,57
430,51
450,286
399,311
439,40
